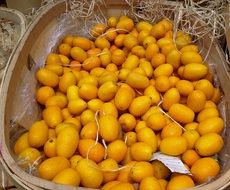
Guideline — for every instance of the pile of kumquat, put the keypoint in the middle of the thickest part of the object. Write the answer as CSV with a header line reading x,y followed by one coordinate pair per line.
x,y
111,101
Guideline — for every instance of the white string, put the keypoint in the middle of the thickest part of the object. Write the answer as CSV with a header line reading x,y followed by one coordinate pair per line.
x,y
104,144
97,123
161,110
151,11
125,140
172,119
114,30
102,53
161,100
207,18
31,167
212,39
176,23
97,136
140,93
34,164
103,141
197,19
82,8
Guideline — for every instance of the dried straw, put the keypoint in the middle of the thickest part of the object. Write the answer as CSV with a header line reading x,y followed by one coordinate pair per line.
x,y
9,34
198,19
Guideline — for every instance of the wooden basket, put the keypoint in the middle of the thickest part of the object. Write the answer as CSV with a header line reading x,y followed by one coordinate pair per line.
x,y
15,16
35,43
19,19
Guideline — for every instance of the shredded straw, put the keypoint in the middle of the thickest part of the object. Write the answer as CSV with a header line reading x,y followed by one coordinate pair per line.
x,y
9,34
198,19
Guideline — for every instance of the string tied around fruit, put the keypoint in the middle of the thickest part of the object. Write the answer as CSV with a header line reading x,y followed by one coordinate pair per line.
x,y
107,32
104,144
30,167
162,111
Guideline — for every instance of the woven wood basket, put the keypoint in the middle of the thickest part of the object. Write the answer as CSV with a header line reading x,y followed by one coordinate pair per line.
x,y
31,52
19,20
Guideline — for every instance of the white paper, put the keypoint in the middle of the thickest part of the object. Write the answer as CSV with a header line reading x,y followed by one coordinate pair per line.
x,y
172,162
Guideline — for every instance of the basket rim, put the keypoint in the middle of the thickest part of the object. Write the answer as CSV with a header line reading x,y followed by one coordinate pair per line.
x,y
15,16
